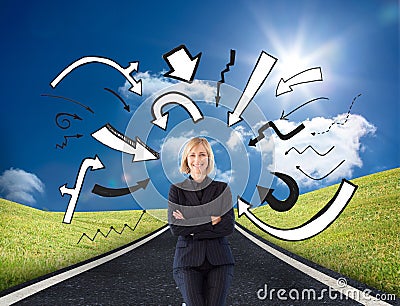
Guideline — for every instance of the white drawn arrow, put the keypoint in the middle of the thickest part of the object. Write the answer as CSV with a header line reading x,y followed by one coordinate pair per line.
x,y
126,72
182,65
306,76
263,67
74,192
114,139
312,227
177,98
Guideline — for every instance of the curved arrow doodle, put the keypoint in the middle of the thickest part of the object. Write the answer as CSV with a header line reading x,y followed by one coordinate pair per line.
x,y
173,97
126,72
338,123
68,99
272,125
318,223
87,163
114,139
321,178
182,65
111,192
291,112
231,63
306,76
277,205
309,147
263,67
65,142
126,106
65,123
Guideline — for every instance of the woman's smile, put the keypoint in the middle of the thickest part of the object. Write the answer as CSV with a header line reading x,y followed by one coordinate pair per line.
x,y
198,160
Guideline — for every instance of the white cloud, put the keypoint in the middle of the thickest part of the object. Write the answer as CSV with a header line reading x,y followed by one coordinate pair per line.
x,y
227,176
345,138
151,83
237,137
155,82
200,91
20,186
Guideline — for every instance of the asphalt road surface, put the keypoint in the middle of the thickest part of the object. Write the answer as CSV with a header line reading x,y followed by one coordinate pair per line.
x,y
143,276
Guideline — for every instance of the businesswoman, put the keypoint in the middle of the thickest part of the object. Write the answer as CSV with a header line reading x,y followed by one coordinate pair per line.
x,y
200,213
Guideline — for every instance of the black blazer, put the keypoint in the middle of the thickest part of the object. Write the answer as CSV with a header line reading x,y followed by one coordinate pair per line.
x,y
198,239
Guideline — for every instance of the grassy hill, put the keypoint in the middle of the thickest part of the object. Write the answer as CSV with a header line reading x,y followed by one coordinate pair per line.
x,y
363,243
34,242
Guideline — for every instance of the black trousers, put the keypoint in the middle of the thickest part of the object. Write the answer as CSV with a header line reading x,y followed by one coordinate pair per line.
x,y
204,285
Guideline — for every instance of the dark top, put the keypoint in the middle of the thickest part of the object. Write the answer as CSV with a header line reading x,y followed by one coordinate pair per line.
x,y
198,239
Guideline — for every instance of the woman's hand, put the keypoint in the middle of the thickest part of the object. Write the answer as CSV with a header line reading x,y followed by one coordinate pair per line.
x,y
178,215
215,220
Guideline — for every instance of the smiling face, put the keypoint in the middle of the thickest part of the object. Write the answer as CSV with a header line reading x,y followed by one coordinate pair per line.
x,y
197,160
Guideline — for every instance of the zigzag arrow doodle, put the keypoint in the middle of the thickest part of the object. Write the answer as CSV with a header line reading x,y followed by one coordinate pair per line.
x,y
309,147
231,63
65,142
272,125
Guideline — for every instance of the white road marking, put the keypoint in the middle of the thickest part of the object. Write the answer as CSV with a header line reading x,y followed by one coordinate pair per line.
x,y
349,291
23,293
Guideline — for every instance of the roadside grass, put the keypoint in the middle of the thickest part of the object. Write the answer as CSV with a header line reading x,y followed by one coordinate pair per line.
x,y
363,243
34,242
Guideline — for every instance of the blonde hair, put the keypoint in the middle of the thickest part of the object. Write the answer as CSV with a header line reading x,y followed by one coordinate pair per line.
x,y
184,168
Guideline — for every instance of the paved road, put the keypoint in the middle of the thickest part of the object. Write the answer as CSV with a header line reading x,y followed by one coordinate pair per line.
x,y
144,277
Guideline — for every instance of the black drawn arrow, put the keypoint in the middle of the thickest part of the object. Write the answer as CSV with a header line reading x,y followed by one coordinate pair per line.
x,y
278,205
231,63
65,123
270,124
309,147
338,123
65,142
291,112
110,192
126,106
68,99
321,178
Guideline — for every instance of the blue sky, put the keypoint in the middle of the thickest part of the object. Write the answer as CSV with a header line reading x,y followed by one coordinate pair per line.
x,y
356,46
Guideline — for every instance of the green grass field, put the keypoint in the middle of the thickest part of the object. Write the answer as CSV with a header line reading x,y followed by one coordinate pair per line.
x,y
363,243
34,242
